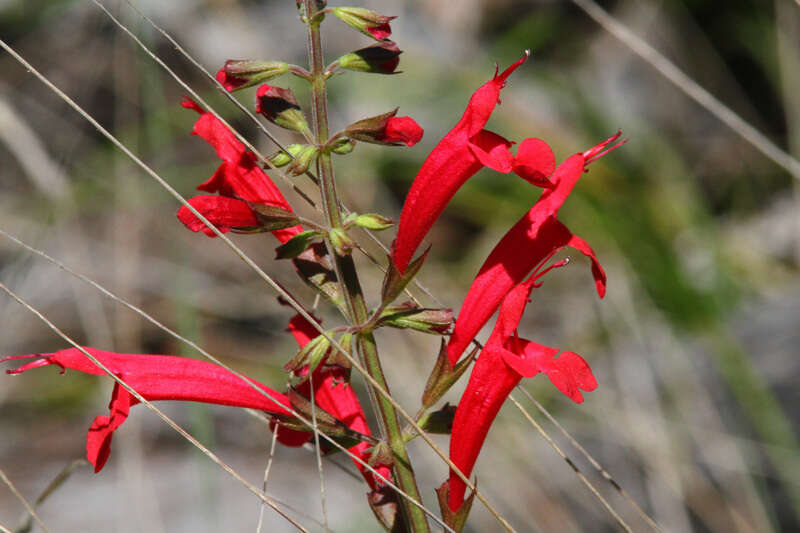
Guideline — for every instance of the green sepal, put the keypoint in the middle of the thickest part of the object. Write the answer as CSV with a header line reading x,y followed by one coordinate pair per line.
x,y
440,422
458,519
281,158
394,282
310,354
303,160
326,423
272,217
443,375
315,268
297,244
342,146
373,221
410,316
342,243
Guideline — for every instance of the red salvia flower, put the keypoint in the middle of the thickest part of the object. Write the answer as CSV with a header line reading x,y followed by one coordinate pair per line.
x,y
459,155
238,180
534,238
155,377
334,394
504,361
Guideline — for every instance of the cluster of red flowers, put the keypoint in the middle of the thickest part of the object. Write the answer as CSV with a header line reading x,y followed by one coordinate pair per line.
x,y
504,282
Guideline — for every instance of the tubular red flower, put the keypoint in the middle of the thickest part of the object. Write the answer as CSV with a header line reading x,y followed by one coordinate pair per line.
x,y
334,394
238,177
225,213
504,361
534,238
459,155
155,377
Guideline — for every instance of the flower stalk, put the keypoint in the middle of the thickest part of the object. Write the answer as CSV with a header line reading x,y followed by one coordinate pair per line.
x,y
350,285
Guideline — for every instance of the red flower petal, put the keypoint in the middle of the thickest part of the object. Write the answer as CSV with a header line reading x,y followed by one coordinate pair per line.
x,y
403,129
225,213
231,83
302,330
451,163
157,377
535,162
380,32
530,241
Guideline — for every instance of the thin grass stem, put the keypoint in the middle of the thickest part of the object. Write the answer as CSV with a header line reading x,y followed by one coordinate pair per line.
x,y
174,425
215,360
21,498
572,465
690,87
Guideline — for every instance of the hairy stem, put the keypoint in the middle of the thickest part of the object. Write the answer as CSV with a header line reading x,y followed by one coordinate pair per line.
x,y
351,287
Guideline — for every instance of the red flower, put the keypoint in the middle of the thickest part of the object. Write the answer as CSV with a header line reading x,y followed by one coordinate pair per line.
x,y
459,155
155,377
238,180
334,394
533,239
504,361
402,130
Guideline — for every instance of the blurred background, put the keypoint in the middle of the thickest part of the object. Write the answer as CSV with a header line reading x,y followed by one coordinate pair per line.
x,y
695,346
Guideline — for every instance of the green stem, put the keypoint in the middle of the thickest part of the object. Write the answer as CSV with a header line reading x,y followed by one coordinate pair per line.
x,y
351,287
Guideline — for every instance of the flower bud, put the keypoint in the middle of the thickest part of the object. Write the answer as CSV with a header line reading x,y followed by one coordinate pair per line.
x,y
386,129
409,316
342,243
366,21
373,221
302,160
281,158
240,73
381,58
280,107
343,146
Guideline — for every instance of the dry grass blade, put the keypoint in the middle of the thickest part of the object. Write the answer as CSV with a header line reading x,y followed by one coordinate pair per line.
x,y
211,455
264,276
252,117
597,466
571,464
212,358
197,97
22,499
266,477
318,453
690,87
60,478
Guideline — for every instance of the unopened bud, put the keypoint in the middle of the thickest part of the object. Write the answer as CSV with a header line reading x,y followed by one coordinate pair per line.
x,y
381,58
240,73
302,160
409,316
280,107
366,21
373,221
343,146
341,241
281,158
386,129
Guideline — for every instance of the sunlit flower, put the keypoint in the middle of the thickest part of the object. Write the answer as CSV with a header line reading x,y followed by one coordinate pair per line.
x,y
238,180
534,238
502,363
155,377
459,155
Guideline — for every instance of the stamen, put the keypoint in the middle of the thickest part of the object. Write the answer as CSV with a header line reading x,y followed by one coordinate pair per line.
x,y
600,150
